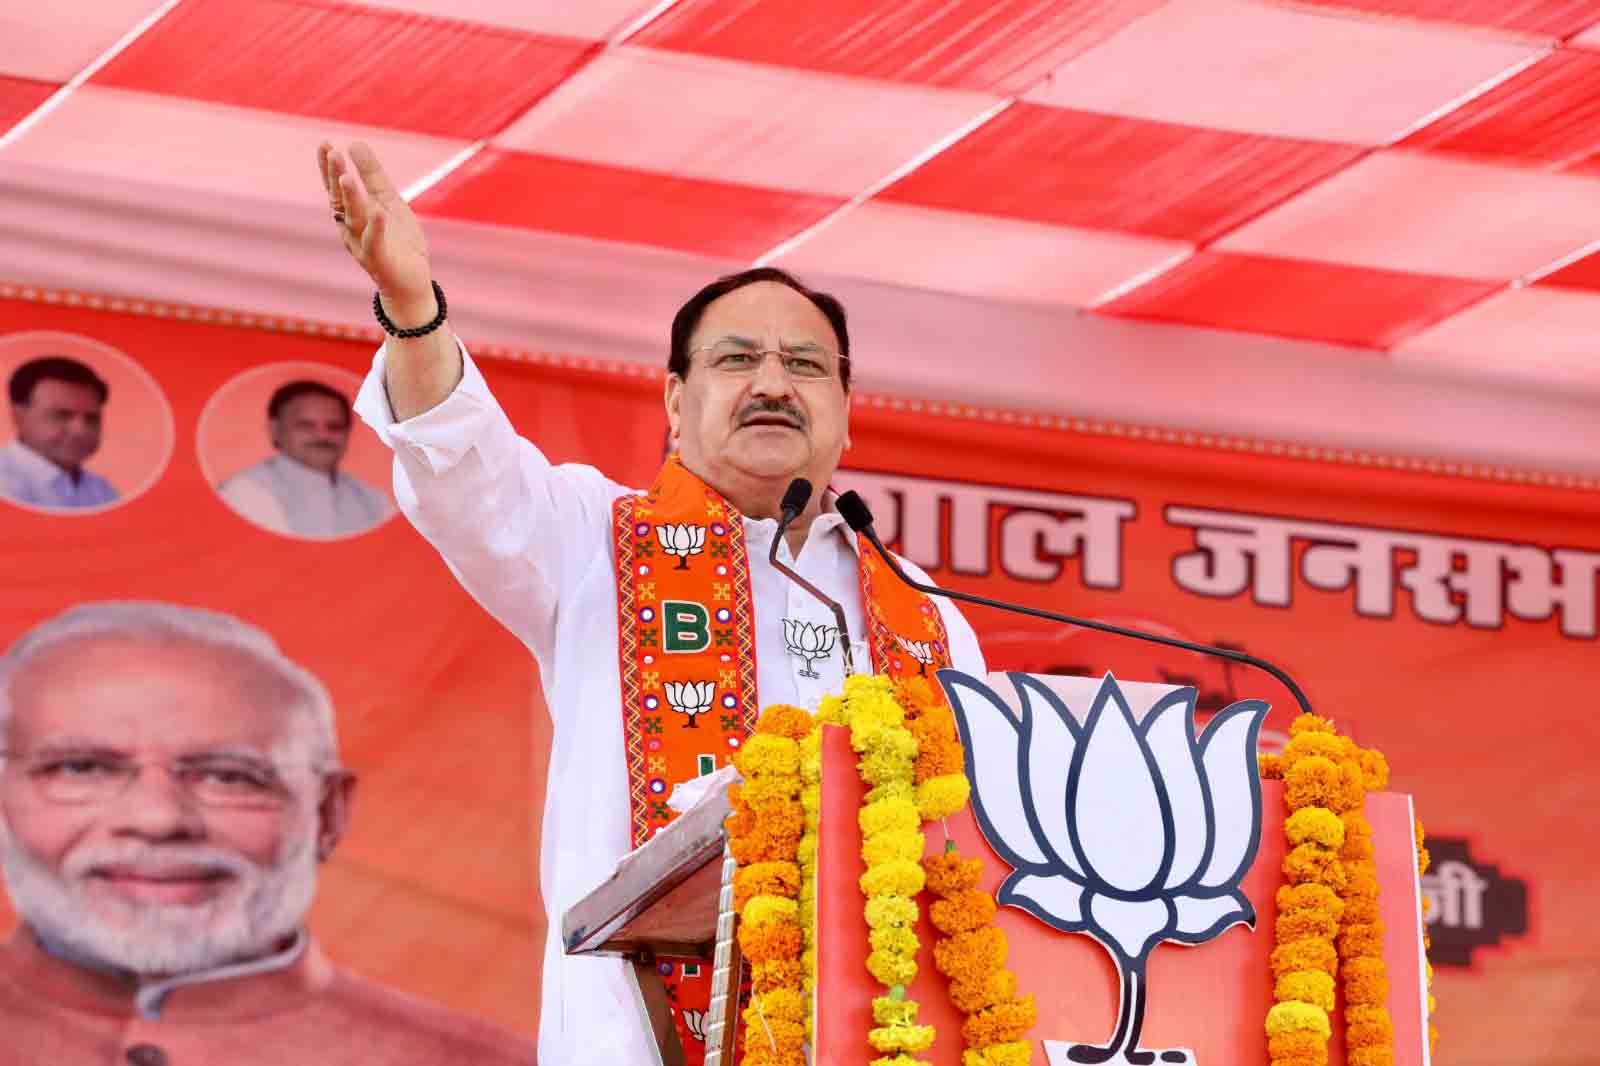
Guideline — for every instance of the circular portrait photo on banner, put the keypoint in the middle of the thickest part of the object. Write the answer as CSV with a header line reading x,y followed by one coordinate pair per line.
x,y
86,428
280,445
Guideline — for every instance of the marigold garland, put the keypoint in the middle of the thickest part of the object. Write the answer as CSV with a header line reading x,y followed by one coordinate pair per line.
x,y
1424,859
1329,928
765,832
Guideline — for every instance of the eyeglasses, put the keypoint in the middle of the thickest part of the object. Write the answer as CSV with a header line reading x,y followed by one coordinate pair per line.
x,y
87,778
804,361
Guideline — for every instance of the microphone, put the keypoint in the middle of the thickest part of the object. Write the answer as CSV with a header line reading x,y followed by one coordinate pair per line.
x,y
795,498
853,509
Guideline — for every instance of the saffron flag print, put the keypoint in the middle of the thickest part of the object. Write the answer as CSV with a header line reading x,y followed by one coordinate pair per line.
x,y
1127,828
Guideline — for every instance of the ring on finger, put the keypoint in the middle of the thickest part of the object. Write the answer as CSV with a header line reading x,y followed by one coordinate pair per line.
x,y
339,218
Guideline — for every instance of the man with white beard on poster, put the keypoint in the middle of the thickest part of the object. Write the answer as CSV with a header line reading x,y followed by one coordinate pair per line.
x,y
169,785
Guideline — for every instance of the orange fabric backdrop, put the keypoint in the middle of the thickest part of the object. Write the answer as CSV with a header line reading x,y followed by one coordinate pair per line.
x,y
436,889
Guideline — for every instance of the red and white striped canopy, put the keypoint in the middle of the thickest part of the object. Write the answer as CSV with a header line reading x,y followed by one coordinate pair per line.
x,y
1364,222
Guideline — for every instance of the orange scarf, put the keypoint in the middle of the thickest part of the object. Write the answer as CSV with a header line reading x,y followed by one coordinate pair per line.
x,y
686,623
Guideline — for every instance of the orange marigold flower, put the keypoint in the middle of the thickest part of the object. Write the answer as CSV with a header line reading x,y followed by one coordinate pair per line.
x,y
786,1003
1308,954
1310,723
1309,922
1329,746
962,912
1374,769
778,973
949,873
1374,1030
1313,862
1000,1024
776,1036
783,720
1369,1056
1363,910
1358,940
751,1055
1309,896
1423,858
765,879
1270,767
1312,782
772,791
967,956
1366,982
1298,1047
776,940
985,990
1360,883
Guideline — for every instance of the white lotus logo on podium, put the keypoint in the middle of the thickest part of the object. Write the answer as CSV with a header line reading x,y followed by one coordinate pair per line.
x,y
1131,831
811,641
695,1021
692,698
683,540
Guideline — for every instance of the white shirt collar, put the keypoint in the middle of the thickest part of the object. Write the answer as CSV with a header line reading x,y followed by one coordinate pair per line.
x,y
33,464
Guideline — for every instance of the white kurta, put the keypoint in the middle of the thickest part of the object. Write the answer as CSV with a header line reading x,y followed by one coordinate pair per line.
x,y
532,542
287,496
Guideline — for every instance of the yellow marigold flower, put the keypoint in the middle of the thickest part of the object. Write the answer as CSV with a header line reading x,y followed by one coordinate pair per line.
x,y
783,720
857,685
886,1010
1269,767
900,878
1306,986
1315,825
1309,896
774,1035
770,790
763,1056
764,910
901,1038
811,798
1312,781
1423,858
831,711
778,973
1300,924
892,847
1016,1053
1297,1017
786,1003
898,1060
962,912
768,755
765,943
968,956
888,815
891,910
1002,1023
1308,954
896,788
1298,1047
765,879
942,796
890,739
806,852
893,938
949,873
985,990
892,968
1313,862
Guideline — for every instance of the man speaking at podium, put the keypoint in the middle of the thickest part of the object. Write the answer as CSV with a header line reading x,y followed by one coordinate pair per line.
x,y
656,617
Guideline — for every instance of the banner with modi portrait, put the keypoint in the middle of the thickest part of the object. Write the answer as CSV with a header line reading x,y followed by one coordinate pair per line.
x,y
1443,613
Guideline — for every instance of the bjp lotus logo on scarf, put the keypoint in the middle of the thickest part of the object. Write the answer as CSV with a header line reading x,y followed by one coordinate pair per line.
x,y
1132,831
811,641
691,698
681,539
920,650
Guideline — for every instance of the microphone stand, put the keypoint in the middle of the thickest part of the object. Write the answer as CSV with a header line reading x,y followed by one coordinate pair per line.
x,y
859,518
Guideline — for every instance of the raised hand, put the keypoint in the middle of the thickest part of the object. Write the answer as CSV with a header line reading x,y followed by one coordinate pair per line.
x,y
379,230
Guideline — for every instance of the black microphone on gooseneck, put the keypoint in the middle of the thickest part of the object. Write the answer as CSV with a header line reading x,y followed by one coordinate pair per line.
x,y
858,517
795,498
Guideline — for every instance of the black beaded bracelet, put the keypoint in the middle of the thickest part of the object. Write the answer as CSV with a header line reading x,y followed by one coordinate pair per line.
x,y
420,331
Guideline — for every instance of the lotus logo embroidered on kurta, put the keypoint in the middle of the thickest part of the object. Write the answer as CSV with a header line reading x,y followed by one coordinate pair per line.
x,y
1133,832
683,540
811,641
920,650
692,698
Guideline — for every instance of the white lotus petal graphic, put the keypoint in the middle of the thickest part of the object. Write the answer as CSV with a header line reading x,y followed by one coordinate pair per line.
x,y
1228,755
1117,806
674,692
990,737
826,639
1134,924
1198,916
1048,746
1169,732
791,631
697,538
1058,900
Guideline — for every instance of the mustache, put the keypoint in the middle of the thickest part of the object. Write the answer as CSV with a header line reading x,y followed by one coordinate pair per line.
x,y
772,407
155,862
